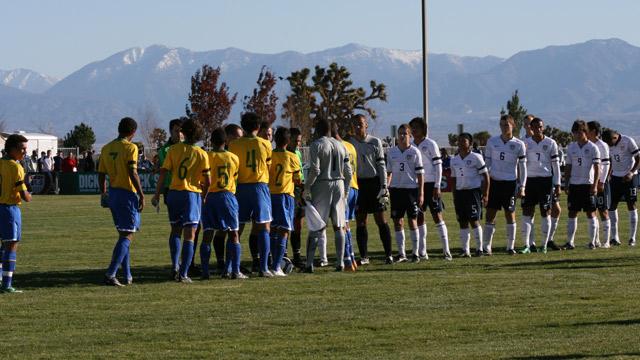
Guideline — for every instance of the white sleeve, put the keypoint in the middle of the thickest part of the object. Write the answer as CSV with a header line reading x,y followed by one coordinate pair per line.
x,y
487,156
482,166
605,160
522,166
419,166
555,164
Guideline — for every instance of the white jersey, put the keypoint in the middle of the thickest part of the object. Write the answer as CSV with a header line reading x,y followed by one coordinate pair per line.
x,y
540,156
503,157
605,161
581,159
431,158
468,171
622,154
404,167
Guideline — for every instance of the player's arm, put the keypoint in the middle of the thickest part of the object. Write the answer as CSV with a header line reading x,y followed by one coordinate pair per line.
x,y
297,168
135,179
606,169
596,176
437,164
453,182
347,171
486,181
381,167
487,157
555,168
314,168
635,155
25,195
420,178
522,172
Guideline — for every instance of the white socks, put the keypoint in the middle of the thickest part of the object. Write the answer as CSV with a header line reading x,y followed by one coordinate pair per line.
x,y
527,226
511,236
613,218
593,230
322,245
477,234
606,230
489,229
571,229
633,224
553,228
464,240
444,237
546,225
414,235
422,240
400,242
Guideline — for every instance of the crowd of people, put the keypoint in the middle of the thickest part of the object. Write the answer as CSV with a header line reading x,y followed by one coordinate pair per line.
x,y
244,179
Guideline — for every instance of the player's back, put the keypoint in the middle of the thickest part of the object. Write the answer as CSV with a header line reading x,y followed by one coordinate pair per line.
x,y
116,160
431,158
328,156
254,156
285,167
11,182
224,171
622,154
353,160
188,164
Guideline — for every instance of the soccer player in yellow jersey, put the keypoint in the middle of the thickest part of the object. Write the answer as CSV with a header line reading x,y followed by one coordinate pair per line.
x,y
118,160
12,191
189,166
283,174
220,212
254,199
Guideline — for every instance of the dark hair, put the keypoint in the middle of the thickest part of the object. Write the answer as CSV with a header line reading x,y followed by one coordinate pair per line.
x,y
282,136
218,137
357,117
231,129
323,127
579,125
607,135
192,131
250,122
13,141
467,136
509,119
535,120
334,131
264,125
295,132
176,122
595,126
418,122
127,126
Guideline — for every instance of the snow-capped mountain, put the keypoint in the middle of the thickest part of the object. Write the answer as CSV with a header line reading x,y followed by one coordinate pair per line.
x,y
27,80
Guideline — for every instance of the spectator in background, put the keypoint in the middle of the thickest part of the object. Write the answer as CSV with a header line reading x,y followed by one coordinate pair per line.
x,y
69,164
46,164
446,159
233,132
144,164
57,161
89,164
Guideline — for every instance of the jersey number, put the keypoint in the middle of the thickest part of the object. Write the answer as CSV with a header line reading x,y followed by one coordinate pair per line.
x,y
461,173
616,157
251,160
538,155
113,155
502,155
279,171
182,169
223,177
579,161
401,166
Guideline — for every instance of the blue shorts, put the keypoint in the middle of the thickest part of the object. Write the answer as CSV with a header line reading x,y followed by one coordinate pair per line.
x,y
254,202
10,222
352,201
283,211
124,209
220,212
184,207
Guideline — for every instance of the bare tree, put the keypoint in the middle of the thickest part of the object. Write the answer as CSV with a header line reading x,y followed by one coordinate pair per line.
x,y
148,125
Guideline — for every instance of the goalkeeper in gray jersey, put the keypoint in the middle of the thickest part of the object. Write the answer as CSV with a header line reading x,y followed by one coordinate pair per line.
x,y
326,188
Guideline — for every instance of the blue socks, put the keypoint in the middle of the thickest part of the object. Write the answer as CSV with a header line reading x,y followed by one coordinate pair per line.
x,y
187,256
348,249
230,257
174,247
8,267
119,252
264,249
235,260
205,255
278,248
126,266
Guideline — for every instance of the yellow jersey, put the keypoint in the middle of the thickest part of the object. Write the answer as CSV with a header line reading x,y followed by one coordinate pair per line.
x,y
353,161
116,158
254,156
285,167
188,164
11,182
224,171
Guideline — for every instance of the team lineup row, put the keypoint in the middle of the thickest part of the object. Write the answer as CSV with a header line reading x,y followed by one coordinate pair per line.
x,y
244,180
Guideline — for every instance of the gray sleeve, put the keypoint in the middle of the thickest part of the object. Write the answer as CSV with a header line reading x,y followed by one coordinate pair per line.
x,y
380,164
347,170
314,167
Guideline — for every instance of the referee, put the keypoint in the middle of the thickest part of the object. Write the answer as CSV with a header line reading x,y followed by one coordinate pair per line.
x,y
373,193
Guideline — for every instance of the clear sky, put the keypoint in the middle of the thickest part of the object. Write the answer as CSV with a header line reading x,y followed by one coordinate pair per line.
x,y
57,37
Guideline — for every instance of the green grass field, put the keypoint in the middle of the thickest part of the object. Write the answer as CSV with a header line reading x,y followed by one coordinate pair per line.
x,y
563,305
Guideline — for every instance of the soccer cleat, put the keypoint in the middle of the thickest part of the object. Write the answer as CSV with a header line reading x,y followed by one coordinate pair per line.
x,y
606,245
415,259
297,261
479,253
351,268
401,259
591,246
448,257
465,254
543,250
129,281
632,242
533,248
324,263
388,260
364,261
10,290
424,256
266,274
225,275
239,276
487,252
552,245
568,246
339,269
174,275
615,242
511,251
112,281
279,273
185,280
598,244
308,270
525,250
255,265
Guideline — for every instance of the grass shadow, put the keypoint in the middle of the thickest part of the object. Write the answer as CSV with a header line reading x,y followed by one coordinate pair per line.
x,y
625,322
572,356
574,263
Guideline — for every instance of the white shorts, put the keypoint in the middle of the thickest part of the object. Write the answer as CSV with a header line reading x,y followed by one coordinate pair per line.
x,y
328,199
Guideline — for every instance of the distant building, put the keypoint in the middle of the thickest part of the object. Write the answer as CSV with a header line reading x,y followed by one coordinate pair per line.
x,y
39,142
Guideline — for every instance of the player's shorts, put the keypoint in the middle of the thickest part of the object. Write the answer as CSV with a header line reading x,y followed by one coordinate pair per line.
x,y
404,201
185,207
603,199
352,203
124,209
435,206
283,211
254,202
502,195
10,222
580,198
328,199
368,191
621,190
538,191
220,212
468,204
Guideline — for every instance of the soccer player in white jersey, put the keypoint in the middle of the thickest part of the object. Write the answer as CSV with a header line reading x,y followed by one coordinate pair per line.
x,y
432,161
603,199
528,133
543,183
506,160
405,179
471,192
625,162
582,172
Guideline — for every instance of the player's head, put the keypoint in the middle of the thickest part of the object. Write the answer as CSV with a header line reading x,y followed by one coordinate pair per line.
x,y
174,129
360,125
265,131
127,127
579,130
610,136
536,127
296,138
218,138
418,127
464,142
232,131
15,147
526,124
282,137
192,131
404,135
335,132
595,129
323,128
507,124
250,123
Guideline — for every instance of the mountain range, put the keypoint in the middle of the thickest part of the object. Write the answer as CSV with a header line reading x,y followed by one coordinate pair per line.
x,y
597,79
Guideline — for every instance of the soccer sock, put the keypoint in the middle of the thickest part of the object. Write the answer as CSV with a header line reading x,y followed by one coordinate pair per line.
x,y
322,245
464,240
633,224
205,255
546,225
400,243
362,237
253,245
532,233
613,218
572,223
126,265
237,255
444,237
347,248
511,236
526,229
8,266
593,230
422,240
553,227
477,234
274,243
414,235
339,248
606,230
218,247
174,248
312,243
295,242
187,256
229,257
489,229
281,249
119,252
385,236
264,249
